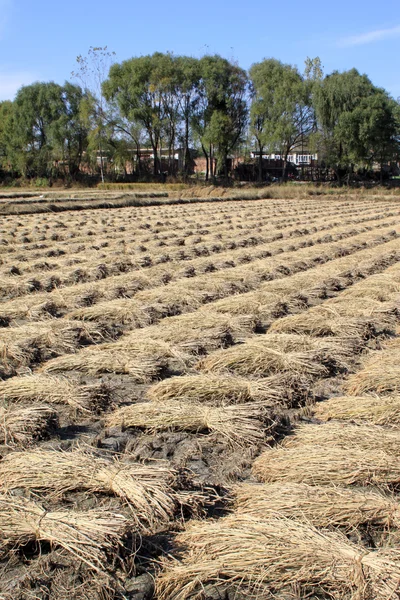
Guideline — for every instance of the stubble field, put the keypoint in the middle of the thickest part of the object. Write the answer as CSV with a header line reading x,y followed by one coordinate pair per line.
x,y
201,401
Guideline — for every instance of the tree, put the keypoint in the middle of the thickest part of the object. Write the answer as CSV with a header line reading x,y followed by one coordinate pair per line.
x,y
37,108
222,114
6,134
357,121
281,109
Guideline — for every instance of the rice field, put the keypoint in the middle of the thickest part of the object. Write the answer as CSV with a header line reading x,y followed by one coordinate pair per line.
x,y
200,400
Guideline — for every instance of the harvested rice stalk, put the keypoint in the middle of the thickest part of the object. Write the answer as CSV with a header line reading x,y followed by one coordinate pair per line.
x,y
145,488
55,390
319,465
380,410
321,506
274,354
238,424
266,558
84,535
215,389
345,435
23,426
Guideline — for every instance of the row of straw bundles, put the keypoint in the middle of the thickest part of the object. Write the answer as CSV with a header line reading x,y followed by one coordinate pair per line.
x,y
85,535
22,426
272,557
55,390
146,489
243,424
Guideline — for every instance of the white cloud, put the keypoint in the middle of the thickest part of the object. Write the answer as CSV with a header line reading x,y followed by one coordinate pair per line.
x,y
370,36
11,82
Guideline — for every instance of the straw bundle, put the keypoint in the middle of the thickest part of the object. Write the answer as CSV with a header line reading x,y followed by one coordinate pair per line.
x,y
215,389
55,390
345,435
380,374
121,311
315,323
145,488
201,332
380,410
35,342
84,535
273,354
239,424
143,359
321,465
23,426
265,558
322,506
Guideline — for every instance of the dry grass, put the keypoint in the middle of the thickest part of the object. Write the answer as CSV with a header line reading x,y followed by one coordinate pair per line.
x,y
214,389
23,426
237,424
266,558
86,536
327,465
322,506
55,390
345,435
146,489
379,410
276,353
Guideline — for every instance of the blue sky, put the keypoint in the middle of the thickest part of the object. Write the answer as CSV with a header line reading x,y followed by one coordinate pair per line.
x,y
40,39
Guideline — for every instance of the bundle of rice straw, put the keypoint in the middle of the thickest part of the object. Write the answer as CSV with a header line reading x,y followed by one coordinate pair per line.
x,y
328,465
85,535
200,332
55,390
238,424
274,354
142,359
146,488
322,506
315,323
380,410
268,557
345,435
380,374
217,390
126,311
22,426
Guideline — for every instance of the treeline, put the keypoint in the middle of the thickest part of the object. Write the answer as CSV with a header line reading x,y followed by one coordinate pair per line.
x,y
170,103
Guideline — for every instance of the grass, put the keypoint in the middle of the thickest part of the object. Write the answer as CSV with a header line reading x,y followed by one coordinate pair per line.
x,y
24,426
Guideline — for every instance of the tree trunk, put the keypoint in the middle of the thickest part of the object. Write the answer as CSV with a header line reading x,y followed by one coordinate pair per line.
x,y
207,162
260,163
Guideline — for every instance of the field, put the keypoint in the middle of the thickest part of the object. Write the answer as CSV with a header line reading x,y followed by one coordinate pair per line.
x,y
200,399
